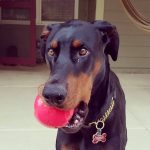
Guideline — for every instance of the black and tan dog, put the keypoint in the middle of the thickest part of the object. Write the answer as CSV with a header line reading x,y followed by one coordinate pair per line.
x,y
80,78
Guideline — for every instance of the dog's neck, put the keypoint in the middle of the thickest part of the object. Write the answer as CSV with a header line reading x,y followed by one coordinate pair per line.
x,y
99,98
100,102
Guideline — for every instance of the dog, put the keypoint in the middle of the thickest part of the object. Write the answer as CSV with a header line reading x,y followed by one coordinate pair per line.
x,y
77,53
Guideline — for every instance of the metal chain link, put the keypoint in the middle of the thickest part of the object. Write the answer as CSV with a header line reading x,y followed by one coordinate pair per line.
x,y
103,118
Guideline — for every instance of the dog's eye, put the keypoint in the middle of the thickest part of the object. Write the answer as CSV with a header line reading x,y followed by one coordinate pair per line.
x,y
83,52
51,52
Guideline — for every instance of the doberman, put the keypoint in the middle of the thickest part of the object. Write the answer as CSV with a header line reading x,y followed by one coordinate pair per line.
x,y
80,78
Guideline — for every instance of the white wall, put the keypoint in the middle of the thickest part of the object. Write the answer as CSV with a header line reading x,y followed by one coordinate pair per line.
x,y
134,43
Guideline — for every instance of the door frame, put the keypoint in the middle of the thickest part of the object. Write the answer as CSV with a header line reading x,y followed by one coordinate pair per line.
x,y
31,59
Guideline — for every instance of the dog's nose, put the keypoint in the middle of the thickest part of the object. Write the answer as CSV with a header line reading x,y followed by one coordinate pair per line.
x,y
54,94
55,98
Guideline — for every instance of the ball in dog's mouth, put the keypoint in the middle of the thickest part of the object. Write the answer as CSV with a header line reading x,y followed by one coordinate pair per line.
x,y
51,116
69,120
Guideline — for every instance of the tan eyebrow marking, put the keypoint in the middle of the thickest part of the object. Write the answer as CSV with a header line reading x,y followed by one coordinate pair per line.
x,y
76,43
54,44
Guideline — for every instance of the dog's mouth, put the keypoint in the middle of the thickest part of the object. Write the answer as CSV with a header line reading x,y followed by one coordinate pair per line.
x,y
78,118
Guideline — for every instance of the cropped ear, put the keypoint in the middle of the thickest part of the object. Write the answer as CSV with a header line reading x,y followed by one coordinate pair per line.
x,y
43,38
48,30
110,37
45,33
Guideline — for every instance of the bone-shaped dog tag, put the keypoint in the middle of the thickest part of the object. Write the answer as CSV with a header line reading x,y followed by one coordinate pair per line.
x,y
99,137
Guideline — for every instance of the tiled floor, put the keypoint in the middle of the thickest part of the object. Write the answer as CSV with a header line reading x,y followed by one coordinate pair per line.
x,y
20,131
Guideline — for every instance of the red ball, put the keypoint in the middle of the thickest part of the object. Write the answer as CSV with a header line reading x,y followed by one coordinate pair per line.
x,y
51,116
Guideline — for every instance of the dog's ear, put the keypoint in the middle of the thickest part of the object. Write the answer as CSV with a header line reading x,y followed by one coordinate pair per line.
x,y
48,30
45,33
43,38
110,38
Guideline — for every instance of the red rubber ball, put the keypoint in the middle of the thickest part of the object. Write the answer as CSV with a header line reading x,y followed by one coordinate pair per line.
x,y
51,116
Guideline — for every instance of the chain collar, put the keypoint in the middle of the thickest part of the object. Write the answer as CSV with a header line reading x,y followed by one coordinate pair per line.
x,y
103,119
99,136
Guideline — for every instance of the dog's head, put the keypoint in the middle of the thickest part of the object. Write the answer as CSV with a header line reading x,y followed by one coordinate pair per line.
x,y
76,52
